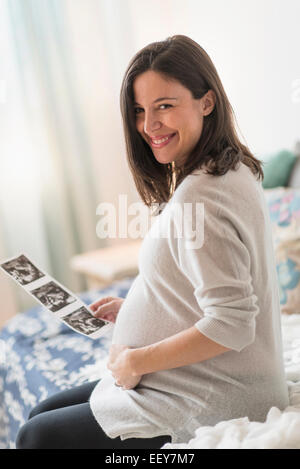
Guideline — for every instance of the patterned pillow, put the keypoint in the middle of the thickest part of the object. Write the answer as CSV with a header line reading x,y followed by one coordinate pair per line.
x,y
284,209
288,270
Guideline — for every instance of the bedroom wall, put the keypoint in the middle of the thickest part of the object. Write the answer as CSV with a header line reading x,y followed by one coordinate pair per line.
x,y
255,47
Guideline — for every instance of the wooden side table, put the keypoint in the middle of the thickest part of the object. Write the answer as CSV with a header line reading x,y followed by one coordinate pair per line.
x,y
103,266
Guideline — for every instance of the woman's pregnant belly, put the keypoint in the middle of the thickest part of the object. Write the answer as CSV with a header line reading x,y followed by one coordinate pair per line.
x,y
143,319
133,325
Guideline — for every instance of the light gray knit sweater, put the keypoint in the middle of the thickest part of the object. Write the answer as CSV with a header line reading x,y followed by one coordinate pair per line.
x,y
228,289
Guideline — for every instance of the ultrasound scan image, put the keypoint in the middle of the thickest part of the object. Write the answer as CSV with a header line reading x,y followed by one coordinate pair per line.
x,y
22,270
52,296
83,321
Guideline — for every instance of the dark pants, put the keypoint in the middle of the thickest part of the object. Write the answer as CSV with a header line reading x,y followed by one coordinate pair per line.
x,y
65,421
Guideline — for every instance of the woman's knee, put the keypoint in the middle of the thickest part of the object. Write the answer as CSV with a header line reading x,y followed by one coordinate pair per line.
x,y
34,411
43,406
35,434
38,409
27,437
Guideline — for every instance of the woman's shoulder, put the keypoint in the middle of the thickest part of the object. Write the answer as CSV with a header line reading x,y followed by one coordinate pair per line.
x,y
241,170
231,191
238,179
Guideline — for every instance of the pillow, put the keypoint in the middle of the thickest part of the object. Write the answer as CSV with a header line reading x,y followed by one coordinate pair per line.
x,y
288,271
277,169
284,210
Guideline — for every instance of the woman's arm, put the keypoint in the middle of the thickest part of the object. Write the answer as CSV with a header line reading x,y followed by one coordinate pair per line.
x,y
185,348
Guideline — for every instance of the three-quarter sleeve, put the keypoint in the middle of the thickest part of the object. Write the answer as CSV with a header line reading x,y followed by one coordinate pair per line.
x,y
220,271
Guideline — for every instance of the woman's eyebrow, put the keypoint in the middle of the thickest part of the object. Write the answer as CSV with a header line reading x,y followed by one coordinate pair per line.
x,y
158,99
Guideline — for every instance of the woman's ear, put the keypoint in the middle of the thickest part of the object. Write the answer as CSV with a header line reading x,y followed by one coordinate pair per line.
x,y
208,102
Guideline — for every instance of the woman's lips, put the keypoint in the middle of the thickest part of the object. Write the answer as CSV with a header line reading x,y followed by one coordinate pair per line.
x,y
164,143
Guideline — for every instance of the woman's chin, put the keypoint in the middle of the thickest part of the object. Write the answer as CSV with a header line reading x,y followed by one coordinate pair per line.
x,y
164,159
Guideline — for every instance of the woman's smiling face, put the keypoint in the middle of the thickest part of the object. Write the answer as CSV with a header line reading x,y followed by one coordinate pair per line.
x,y
168,118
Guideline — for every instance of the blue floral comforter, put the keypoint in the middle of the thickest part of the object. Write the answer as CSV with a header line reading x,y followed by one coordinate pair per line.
x,y
40,355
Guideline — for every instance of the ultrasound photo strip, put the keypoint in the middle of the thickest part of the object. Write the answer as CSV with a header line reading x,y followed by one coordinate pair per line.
x,y
55,297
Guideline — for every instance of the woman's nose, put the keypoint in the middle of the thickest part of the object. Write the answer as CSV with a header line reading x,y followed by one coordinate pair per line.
x,y
151,123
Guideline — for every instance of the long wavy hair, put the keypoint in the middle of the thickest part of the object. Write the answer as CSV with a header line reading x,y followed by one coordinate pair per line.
x,y
219,147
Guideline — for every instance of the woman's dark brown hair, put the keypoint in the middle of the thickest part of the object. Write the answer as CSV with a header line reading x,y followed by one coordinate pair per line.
x,y
219,147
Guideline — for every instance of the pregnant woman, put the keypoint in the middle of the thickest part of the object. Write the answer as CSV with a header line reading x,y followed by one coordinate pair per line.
x,y
197,340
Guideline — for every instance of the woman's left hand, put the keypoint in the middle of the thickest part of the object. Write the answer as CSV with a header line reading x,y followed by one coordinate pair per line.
x,y
119,365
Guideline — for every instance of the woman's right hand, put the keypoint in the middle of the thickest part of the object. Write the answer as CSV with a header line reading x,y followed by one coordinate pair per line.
x,y
107,308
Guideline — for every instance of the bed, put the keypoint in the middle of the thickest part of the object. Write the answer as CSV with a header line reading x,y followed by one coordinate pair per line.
x,y
40,355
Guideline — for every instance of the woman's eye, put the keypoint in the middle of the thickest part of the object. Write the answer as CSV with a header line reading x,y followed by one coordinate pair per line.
x,y
138,110
169,105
